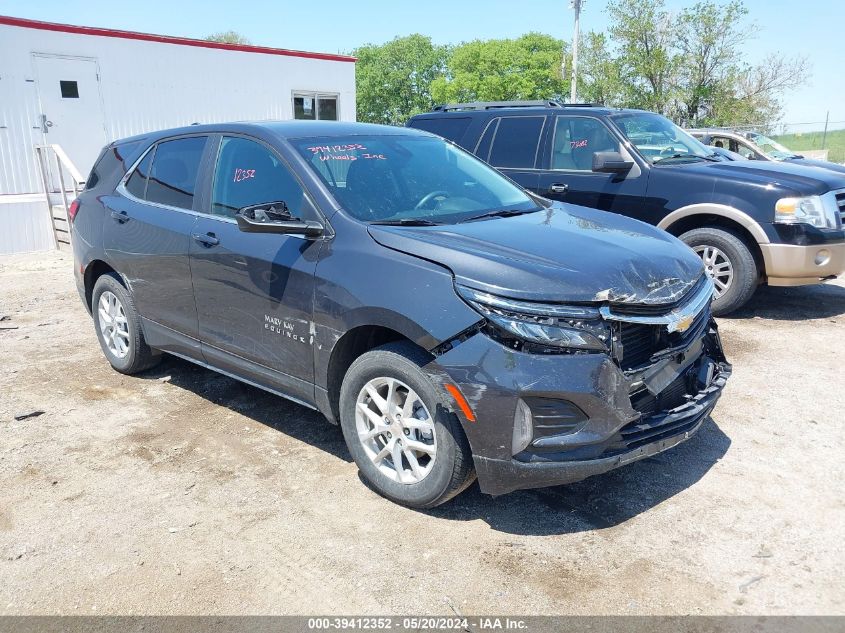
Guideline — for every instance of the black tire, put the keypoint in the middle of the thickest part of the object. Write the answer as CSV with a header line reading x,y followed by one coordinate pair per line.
x,y
139,356
452,469
746,276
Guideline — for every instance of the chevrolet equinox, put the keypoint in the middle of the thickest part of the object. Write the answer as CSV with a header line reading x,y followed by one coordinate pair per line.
x,y
455,325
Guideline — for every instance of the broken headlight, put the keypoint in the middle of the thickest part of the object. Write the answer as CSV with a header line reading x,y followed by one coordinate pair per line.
x,y
544,324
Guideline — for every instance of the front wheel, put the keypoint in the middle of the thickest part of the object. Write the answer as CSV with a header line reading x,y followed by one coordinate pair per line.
x,y
406,443
730,264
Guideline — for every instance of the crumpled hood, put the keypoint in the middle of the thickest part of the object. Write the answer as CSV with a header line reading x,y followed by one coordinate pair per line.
x,y
564,253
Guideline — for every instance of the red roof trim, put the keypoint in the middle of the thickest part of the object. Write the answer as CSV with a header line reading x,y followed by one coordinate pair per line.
x,y
166,39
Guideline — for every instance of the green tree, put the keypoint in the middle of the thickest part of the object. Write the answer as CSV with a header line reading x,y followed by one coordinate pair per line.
x,y
643,33
689,67
528,67
709,39
228,37
393,80
601,77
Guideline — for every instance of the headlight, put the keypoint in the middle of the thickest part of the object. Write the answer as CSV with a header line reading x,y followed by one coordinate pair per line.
x,y
554,325
819,211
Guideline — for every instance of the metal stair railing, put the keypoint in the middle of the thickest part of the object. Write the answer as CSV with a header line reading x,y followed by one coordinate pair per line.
x,y
54,156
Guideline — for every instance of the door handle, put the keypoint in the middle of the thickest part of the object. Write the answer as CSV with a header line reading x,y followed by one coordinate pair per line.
x,y
120,216
206,239
558,187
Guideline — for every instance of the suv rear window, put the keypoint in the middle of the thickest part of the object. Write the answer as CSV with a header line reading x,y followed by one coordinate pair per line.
x,y
452,128
515,141
172,178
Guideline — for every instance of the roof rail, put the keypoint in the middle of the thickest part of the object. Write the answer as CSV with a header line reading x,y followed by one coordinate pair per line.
x,y
492,105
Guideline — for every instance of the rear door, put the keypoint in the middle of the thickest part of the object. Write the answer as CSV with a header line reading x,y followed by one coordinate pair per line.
x,y
254,292
147,235
511,144
568,175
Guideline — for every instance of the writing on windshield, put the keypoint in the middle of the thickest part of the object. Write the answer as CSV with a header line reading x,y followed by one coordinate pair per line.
x,y
344,152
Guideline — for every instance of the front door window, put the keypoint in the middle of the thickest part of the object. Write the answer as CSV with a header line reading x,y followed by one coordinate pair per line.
x,y
248,173
576,139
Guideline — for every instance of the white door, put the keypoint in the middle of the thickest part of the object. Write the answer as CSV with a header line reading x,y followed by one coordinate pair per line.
x,y
71,108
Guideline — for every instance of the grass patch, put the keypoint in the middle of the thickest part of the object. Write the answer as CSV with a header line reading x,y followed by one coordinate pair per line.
x,y
835,142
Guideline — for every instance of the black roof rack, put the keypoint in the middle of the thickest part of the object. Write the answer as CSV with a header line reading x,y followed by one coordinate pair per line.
x,y
492,105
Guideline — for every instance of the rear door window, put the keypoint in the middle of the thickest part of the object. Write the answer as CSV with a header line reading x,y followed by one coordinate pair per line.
x,y
249,173
173,176
516,141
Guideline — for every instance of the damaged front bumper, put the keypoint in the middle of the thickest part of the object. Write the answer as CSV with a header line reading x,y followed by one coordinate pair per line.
x,y
590,413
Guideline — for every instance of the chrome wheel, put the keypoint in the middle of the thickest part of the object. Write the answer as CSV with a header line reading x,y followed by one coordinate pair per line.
x,y
718,267
396,430
113,324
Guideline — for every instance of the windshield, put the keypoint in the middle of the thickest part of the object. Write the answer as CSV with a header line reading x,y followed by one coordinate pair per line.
x,y
770,147
659,140
404,178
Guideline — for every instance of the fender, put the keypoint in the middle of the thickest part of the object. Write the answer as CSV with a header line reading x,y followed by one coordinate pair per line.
x,y
721,210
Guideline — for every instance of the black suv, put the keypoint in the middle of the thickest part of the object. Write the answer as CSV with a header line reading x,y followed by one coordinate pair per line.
x,y
750,222
450,321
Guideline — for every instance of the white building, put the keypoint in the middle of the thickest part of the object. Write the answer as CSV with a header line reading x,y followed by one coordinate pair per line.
x,y
80,87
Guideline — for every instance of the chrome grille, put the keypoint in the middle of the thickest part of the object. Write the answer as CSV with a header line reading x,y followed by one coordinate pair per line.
x,y
640,341
840,202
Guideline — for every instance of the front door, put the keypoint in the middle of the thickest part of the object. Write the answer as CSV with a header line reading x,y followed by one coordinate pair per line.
x,y
147,231
254,291
569,177
71,108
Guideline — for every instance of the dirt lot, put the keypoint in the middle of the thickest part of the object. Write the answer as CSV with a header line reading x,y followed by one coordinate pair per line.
x,y
182,491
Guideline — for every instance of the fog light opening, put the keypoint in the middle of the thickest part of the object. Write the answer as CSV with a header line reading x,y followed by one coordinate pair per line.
x,y
523,427
822,257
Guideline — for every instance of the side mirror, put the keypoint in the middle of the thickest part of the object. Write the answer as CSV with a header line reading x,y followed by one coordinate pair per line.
x,y
611,163
274,217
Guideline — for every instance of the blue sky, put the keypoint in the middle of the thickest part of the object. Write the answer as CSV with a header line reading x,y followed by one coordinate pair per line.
x,y
810,28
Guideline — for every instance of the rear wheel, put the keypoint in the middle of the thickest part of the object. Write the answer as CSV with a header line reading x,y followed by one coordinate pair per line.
x,y
407,444
730,264
118,327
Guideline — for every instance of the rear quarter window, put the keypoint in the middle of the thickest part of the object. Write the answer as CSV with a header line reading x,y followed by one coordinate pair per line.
x,y
113,162
452,128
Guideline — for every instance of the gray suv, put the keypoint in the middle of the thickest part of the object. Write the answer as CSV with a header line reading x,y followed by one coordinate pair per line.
x,y
452,323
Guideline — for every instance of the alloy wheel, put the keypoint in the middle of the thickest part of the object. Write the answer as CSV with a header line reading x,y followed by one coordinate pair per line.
x,y
113,324
718,267
396,430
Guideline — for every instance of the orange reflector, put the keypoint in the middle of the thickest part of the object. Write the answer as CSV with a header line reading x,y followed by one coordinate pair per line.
x,y
462,402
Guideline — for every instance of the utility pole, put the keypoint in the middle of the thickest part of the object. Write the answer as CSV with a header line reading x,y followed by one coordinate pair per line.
x,y
576,5
824,136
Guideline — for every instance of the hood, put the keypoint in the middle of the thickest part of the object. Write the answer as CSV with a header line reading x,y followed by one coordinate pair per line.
x,y
563,253
801,179
811,162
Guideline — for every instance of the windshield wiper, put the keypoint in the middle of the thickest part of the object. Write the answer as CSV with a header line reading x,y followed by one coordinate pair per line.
x,y
501,213
407,222
687,155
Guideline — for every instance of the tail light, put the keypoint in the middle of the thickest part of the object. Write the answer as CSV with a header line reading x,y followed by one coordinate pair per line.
x,y
72,210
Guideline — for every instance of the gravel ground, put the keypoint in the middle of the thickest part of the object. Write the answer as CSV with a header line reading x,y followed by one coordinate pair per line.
x,y
184,492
